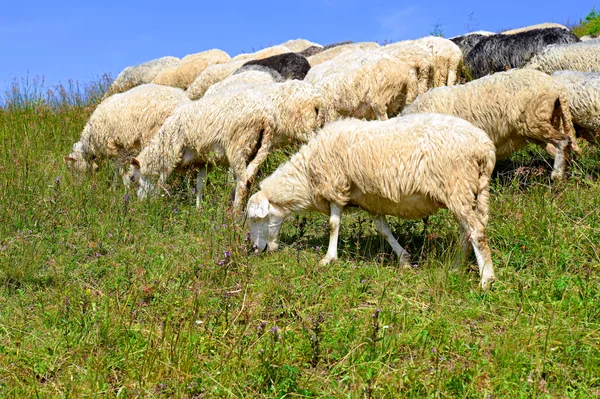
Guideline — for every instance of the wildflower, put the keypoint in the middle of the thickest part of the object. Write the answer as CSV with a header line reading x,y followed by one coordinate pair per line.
x,y
433,350
126,198
227,254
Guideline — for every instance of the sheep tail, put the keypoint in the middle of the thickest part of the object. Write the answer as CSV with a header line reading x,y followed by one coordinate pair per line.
x,y
567,121
486,166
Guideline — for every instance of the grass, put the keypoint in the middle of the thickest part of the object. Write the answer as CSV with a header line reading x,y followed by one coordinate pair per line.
x,y
103,295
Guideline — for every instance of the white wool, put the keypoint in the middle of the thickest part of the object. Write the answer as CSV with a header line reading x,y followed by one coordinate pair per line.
x,y
264,53
406,167
212,56
582,57
333,52
298,45
513,108
544,25
140,74
123,123
583,91
211,75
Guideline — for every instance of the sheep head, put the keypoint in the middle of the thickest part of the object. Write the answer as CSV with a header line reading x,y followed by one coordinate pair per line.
x,y
141,182
265,219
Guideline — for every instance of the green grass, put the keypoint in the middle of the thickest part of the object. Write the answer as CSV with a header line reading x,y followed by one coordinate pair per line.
x,y
103,295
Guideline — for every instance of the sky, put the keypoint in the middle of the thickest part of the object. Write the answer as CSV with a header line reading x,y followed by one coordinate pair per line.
x,y
80,40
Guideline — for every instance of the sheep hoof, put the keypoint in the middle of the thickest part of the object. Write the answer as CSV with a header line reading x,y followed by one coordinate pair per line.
x,y
556,175
327,260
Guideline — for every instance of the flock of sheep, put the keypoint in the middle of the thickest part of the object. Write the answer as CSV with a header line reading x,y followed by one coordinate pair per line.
x,y
387,128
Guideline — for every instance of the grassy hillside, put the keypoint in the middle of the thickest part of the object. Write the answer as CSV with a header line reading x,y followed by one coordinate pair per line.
x,y
104,295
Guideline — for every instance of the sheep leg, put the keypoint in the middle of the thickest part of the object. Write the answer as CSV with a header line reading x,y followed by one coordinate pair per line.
x,y
484,258
380,114
560,158
200,183
334,225
384,229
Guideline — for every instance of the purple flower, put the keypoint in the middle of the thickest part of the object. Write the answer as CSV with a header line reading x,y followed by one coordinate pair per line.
x,y
176,210
227,254
126,198
221,262
433,350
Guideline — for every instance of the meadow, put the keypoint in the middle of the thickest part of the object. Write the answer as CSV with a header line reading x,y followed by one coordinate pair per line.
x,y
104,295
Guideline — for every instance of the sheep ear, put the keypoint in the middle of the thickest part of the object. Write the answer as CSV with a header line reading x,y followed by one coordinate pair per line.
x,y
135,162
259,210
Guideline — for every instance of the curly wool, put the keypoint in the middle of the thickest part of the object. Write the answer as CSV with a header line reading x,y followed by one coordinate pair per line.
x,y
122,124
212,56
513,108
366,85
231,130
501,52
298,45
583,90
181,75
544,25
407,167
245,78
133,76
264,53
337,49
582,57
288,65
211,75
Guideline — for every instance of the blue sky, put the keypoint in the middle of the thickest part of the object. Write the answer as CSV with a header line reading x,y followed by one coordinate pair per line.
x,y
80,40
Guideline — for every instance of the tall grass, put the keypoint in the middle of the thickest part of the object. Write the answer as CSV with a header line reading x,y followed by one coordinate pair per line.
x,y
105,295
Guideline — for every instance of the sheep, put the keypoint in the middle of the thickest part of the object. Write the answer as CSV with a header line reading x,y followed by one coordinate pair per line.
x,y
582,57
264,53
366,85
467,42
181,75
513,108
407,167
299,107
257,75
545,25
299,45
140,74
312,50
211,75
588,38
288,65
583,91
122,124
336,50
502,52
222,129
446,59
417,58
212,56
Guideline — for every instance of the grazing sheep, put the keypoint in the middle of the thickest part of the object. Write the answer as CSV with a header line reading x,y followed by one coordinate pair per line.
x,y
211,75
583,91
264,53
501,52
140,74
257,75
299,45
545,25
417,58
288,65
181,75
513,108
225,129
587,38
446,59
407,167
122,124
582,57
365,84
212,56
332,52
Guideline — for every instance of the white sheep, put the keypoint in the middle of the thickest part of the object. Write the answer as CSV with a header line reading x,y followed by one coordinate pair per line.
x,y
212,56
232,130
407,167
264,53
298,45
583,91
122,124
181,75
258,75
582,57
140,74
513,108
333,52
365,84
544,25
211,75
